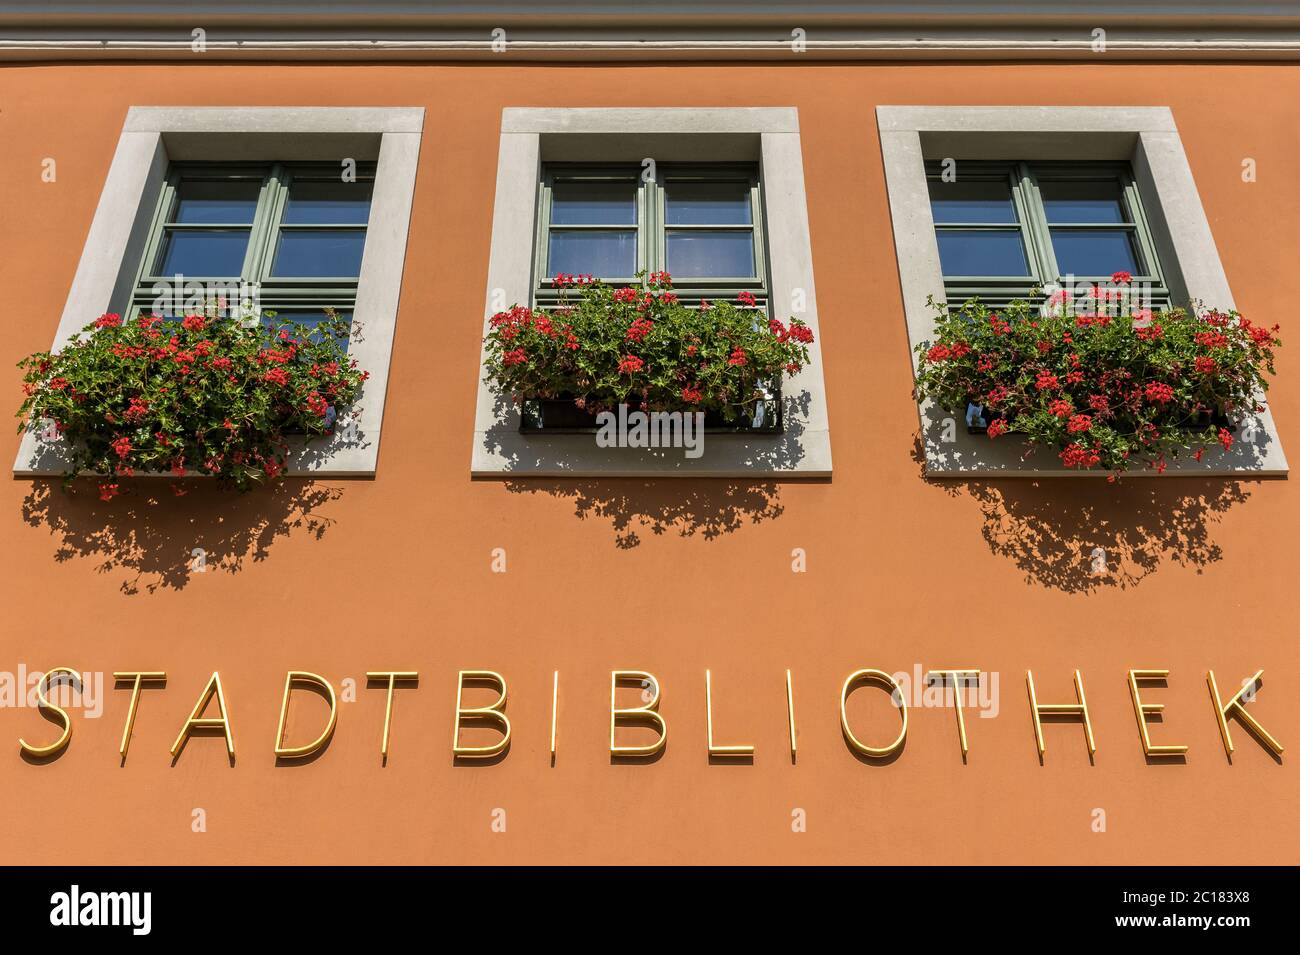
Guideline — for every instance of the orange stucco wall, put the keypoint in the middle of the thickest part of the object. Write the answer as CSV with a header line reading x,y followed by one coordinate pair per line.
x,y
673,576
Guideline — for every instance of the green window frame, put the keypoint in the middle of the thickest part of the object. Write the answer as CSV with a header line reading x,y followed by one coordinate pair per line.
x,y
1025,181
282,294
652,228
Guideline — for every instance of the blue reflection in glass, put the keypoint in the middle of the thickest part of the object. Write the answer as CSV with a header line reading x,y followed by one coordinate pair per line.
x,y
708,203
719,254
204,253
593,203
204,202
987,253
969,201
604,254
310,317
318,254
1093,252
328,202
1086,201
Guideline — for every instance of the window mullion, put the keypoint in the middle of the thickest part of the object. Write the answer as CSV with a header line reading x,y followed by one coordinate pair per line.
x,y
257,265
541,265
756,217
1039,234
1142,230
651,240
157,229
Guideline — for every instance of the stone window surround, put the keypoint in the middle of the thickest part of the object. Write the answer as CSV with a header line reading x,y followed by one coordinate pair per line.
x,y
530,136
153,136
1145,136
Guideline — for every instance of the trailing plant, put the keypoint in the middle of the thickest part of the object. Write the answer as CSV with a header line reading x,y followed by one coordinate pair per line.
x,y
604,346
203,394
1103,385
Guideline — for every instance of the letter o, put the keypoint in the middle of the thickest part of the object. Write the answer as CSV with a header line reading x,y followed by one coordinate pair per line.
x,y
883,679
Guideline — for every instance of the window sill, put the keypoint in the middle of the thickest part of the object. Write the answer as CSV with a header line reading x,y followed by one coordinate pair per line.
x,y
336,456
504,452
1255,451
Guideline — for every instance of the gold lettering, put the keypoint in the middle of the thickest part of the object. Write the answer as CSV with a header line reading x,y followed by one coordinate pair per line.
x,y
197,721
1143,709
1079,709
1221,710
303,678
139,677
555,709
491,713
958,678
735,749
789,705
896,693
406,676
648,713
43,702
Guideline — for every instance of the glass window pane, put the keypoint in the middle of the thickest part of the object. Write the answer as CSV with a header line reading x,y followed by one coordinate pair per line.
x,y
1094,252
225,202
593,203
718,254
1098,200
708,203
604,254
989,253
318,254
971,201
204,252
328,202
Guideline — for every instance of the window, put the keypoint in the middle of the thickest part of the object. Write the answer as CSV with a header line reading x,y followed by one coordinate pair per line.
x,y
699,223
724,211
195,190
295,232
1006,228
1040,193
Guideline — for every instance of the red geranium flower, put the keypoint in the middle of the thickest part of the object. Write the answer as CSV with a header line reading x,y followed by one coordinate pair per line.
x,y
1159,392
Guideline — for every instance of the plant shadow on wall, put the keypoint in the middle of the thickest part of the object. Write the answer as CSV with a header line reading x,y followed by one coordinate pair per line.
x,y
708,507
680,505
1098,535
159,534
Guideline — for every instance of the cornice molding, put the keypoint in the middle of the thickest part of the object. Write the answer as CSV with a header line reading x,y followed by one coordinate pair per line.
x,y
328,30
1275,47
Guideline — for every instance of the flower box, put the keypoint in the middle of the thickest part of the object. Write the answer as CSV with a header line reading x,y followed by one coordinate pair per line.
x,y
1100,385
561,415
602,347
204,394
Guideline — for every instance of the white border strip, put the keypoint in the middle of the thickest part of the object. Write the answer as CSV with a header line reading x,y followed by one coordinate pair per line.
x,y
1283,45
